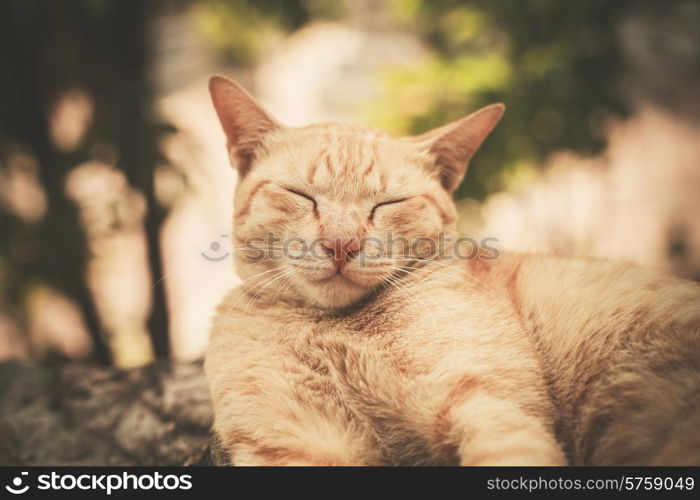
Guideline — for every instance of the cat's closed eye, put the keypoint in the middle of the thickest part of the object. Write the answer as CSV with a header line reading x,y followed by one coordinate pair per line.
x,y
385,203
302,195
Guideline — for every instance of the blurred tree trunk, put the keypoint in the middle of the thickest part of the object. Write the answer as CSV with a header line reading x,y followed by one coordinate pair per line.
x,y
27,87
101,47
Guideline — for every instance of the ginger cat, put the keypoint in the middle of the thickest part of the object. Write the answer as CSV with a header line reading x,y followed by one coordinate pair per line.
x,y
346,345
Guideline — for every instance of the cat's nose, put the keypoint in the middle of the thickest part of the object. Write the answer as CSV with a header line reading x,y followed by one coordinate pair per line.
x,y
342,249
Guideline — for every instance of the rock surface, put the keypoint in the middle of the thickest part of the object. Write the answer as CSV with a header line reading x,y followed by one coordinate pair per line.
x,y
76,414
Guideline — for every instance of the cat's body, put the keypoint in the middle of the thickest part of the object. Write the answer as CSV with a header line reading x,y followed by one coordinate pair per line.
x,y
622,369
620,347
336,359
434,372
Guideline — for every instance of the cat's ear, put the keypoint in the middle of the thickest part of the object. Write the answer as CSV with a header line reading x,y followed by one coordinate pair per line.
x,y
244,121
453,145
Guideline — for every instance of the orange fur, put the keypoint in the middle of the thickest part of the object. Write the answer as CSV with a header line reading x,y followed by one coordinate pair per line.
x,y
524,360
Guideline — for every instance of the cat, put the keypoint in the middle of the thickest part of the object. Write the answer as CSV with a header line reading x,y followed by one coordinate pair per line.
x,y
347,346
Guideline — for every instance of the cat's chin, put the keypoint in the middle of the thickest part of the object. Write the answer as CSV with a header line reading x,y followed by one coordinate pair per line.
x,y
336,292
326,287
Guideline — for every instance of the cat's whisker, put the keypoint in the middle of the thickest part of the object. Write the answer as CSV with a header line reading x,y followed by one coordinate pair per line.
x,y
165,275
404,289
417,296
285,286
248,285
268,282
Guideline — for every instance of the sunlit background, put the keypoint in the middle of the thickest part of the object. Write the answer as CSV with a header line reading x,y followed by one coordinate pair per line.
x,y
116,193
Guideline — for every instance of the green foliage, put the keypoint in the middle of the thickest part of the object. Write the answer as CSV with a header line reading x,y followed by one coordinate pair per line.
x,y
240,29
556,66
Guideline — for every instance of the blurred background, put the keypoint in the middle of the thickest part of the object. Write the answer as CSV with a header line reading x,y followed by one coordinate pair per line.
x,y
116,193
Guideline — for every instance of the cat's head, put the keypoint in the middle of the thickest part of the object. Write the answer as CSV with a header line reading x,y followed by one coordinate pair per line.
x,y
330,214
